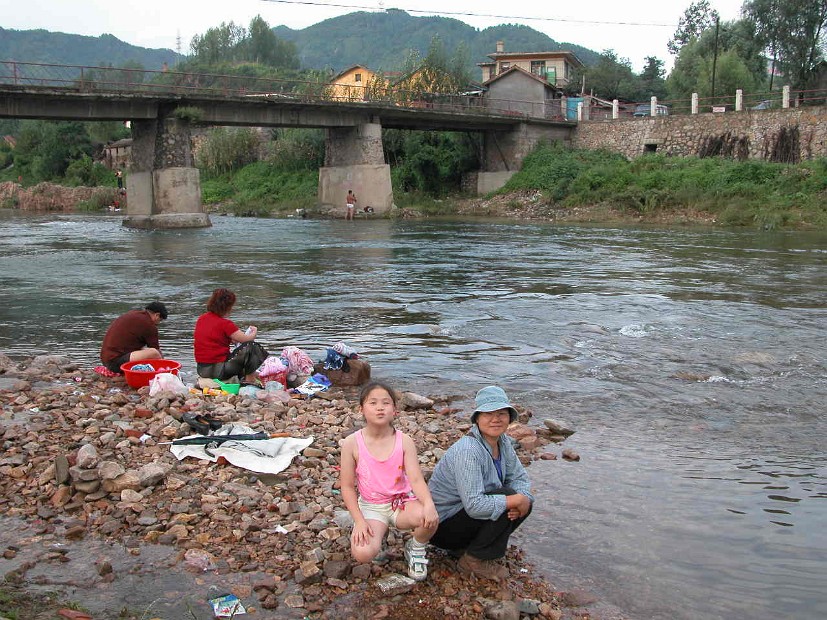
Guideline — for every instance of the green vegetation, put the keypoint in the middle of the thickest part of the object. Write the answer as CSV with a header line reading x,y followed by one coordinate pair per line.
x,y
749,193
262,189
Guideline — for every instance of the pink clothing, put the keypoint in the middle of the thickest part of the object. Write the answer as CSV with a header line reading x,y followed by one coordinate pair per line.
x,y
382,482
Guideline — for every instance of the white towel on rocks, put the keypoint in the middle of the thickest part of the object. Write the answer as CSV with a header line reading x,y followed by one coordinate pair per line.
x,y
263,456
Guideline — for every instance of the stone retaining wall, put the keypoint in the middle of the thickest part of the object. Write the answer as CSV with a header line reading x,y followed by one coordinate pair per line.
x,y
789,135
51,197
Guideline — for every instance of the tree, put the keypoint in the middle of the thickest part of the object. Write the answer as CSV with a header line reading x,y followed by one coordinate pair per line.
x,y
611,77
739,63
699,16
652,80
794,32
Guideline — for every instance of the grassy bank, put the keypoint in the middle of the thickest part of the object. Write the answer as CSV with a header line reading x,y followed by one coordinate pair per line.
x,y
750,193
261,189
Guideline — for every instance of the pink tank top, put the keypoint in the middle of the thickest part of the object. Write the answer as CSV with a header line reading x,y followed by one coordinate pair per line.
x,y
382,482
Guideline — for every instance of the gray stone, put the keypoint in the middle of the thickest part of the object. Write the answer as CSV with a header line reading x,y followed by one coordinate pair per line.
x,y
151,474
88,456
109,470
529,606
411,400
558,427
61,469
87,487
502,610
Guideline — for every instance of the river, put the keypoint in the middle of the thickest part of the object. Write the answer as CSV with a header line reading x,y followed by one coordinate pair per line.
x,y
690,361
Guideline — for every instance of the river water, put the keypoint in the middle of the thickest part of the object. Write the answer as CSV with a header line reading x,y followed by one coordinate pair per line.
x,y
690,361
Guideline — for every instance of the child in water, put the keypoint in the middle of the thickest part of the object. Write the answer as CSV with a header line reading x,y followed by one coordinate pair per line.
x,y
383,464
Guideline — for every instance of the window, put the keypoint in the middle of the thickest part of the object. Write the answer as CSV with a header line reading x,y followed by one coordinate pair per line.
x,y
538,67
358,77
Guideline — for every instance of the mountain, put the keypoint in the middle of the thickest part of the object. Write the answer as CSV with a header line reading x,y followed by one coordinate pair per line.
x,y
382,41
74,49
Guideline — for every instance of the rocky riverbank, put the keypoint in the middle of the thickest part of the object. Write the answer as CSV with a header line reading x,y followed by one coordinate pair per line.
x,y
55,198
93,502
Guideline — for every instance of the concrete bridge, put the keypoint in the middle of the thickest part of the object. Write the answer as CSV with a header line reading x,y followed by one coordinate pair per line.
x,y
165,189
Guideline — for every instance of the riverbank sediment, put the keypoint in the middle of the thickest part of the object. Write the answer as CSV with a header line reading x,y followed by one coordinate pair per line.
x,y
97,509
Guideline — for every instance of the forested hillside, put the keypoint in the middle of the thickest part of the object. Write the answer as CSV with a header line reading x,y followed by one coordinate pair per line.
x,y
74,49
377,40
384,40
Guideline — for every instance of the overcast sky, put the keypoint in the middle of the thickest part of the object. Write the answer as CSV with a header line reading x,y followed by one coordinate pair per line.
x,y
596,24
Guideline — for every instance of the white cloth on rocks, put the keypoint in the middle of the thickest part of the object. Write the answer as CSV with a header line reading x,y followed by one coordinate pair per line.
x,y
263,456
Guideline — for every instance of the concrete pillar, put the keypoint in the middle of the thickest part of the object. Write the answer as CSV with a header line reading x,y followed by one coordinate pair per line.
x,y
653,106
615,108
164,184
579,110
354,160
785,97
739,100
694,103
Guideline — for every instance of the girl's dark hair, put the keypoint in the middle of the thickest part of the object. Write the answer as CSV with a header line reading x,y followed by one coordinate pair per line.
x,y
221,301
363,395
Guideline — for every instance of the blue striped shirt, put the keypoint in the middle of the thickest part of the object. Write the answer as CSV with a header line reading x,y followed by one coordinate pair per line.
x,y
466,472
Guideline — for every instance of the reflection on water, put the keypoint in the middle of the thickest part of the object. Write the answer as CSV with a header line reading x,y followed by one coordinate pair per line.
x,y
690,361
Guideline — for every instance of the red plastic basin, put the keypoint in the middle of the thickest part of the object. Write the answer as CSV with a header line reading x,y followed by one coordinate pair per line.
x,y
140,378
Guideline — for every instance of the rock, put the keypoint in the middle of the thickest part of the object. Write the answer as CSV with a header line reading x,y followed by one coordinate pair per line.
x,y
570,455
131,497
87,457
548,456
502,610
528,606
336,569
361,571
307,573
87,487
129,480
109,470
199,560
395,584
61,469
61,496
411,400
295,601
558,427
151,474
577,598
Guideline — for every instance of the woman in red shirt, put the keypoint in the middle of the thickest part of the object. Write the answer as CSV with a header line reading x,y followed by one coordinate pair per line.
x,y
215,333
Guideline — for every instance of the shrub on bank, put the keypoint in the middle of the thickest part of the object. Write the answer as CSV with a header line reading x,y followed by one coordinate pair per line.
x,y
743,193
261,189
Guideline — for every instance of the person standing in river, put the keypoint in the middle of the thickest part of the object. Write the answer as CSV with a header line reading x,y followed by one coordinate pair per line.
x,y
350,201
481,490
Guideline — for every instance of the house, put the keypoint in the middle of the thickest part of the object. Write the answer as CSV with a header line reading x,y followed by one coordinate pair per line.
x,y
520,92
353,84
117,154
557,68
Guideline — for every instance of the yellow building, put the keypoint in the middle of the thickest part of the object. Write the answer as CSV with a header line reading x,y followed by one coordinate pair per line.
x,y
353,84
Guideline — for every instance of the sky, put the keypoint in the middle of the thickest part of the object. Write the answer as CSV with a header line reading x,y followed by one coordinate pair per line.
x,y
633,30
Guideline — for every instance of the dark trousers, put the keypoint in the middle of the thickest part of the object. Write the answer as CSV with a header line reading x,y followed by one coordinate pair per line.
x,y
482,538
244,359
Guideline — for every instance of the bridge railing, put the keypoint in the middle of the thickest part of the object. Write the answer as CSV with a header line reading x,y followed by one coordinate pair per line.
x,y
99,79
730,102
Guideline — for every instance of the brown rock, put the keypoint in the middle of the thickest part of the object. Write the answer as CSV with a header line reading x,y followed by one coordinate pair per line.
x,y
61,469
570,455
61,496
548,456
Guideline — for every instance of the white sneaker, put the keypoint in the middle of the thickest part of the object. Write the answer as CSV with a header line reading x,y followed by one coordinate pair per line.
x,y
417,560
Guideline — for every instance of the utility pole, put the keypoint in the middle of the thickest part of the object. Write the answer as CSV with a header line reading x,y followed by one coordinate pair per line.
x,y
715,55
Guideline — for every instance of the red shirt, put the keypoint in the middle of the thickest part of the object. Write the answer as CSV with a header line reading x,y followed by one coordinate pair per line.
x,y
211,339
129,332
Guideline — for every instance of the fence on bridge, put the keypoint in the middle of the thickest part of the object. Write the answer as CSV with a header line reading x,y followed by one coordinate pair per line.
x,y
140,81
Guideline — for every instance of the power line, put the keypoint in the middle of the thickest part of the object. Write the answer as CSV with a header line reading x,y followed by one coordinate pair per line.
x,y
464,14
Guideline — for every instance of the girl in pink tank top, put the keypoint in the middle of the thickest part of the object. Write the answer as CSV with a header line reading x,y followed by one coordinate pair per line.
x,y
382,463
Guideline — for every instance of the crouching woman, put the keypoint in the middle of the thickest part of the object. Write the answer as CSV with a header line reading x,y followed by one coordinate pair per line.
x,y
213,336
481,490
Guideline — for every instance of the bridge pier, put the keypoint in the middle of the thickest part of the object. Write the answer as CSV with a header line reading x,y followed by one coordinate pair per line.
x,y
164,184
504,151
354,159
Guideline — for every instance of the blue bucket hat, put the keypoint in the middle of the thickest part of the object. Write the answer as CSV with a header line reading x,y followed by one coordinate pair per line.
x,y
492,398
